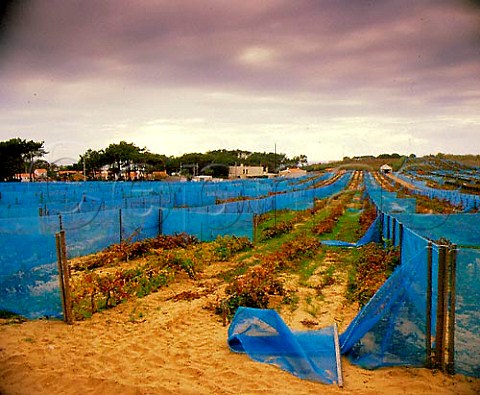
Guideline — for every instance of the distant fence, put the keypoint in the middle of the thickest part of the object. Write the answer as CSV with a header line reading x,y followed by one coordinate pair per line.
x,y
102,214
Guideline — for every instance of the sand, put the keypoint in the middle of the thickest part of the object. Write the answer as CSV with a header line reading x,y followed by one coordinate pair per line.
x,y
163,344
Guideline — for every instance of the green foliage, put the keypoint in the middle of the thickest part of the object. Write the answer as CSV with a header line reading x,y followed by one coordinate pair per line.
x,y
227,246
17,156
275,230
95,290
372,267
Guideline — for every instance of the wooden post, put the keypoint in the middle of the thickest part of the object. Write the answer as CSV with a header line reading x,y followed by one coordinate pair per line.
x,y
60,274
64,277
428,323
441,309
60,222
452,266
255,225
337,355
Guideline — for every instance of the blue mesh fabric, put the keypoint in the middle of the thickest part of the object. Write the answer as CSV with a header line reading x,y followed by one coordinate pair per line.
x,y
264,337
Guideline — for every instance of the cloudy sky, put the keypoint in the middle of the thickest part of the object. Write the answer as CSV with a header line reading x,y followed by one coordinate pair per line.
x,y
323,78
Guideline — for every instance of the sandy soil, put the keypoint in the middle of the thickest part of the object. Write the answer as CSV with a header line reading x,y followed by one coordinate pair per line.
x,y
167,344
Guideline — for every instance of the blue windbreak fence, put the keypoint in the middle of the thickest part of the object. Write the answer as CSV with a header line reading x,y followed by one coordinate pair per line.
x,y
467,201
29,275
95,215
390,329
399,324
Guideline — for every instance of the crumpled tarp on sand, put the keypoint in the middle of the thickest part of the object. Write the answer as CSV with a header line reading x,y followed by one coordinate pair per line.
x,y
264,337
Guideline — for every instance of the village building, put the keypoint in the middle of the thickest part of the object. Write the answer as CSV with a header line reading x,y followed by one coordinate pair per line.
x,y
242,171
386,169
157,175
294,172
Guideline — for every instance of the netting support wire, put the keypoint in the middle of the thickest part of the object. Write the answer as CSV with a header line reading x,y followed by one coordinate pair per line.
x,y
452,265
442,308
428,313
337,355
64,276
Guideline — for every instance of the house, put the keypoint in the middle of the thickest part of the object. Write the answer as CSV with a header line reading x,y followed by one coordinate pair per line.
x,y
202,178
23,177
292,173
70,175
243,171
36,175
386,169
40,174
157,175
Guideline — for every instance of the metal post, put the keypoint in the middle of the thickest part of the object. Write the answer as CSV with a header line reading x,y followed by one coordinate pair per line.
x,y
337,355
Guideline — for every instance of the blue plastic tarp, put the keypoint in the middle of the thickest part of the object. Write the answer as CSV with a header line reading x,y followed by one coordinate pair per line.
x,y
264,337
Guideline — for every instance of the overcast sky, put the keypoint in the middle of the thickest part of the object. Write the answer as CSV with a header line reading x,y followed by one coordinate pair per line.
x,y
323,78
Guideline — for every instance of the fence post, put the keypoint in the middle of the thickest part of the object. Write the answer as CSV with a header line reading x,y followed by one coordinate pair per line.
x,y
441,309
160,221
394,225
452,266
388,228
400,239
428,323
120,224
64,277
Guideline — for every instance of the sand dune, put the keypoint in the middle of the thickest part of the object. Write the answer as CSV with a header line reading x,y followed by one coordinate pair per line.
x,y
162,345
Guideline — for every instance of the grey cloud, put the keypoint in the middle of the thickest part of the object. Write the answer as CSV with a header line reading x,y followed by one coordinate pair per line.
x,y
403,59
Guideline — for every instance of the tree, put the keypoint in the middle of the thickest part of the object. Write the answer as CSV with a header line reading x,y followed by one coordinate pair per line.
x,y
92,161
17,156
122,155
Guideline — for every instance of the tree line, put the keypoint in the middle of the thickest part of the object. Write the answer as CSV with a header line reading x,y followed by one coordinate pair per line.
x,y
21,156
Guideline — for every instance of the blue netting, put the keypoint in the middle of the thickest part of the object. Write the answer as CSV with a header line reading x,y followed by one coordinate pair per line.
x,y
390,329
263,335
467,312
28,270
372,235
96,215
461,229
